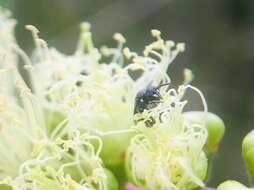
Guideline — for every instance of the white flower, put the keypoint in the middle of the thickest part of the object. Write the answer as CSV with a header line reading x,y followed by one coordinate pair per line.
x,y
79,113
96,96
169,154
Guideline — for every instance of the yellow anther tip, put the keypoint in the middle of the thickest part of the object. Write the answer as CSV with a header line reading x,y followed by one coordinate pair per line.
x,y
119,37
180,47
85,26
127,53
32,28
188,75
170,43
139,61
104,50
155,33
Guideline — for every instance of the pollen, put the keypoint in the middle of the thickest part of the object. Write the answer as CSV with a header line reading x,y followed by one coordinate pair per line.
x,y
119,37
139,60
105,50
170,43
127,53
85,27
155,33
188,75
32,28
180,47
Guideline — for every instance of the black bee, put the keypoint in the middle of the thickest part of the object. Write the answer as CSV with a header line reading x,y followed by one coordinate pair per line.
x,y
147,99
84,73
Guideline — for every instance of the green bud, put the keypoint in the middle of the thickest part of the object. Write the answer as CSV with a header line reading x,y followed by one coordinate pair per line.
x,y
168,155
5,187
112,182
215,127
248,153
232,185
118,144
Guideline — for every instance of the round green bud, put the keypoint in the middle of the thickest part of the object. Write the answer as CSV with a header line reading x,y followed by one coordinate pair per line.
x,y
215,127
232,185
248,153
112,182
114,148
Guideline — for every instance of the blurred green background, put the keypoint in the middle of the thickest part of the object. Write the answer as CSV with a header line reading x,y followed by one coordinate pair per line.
x,y
219,36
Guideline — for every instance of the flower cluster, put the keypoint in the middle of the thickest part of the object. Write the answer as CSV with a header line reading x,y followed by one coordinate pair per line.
x,y
170,154
74,121
36,150
78,83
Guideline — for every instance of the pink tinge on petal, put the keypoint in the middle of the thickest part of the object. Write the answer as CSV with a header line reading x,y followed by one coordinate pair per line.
x,y
129,186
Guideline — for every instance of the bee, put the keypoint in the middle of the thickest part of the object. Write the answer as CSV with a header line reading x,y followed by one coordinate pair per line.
x,y
84,73
147,99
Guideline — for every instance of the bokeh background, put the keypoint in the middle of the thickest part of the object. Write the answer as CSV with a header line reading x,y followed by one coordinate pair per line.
x,y
219,36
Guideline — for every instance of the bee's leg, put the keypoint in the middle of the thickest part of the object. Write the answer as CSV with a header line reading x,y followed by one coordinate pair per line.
x,y
150,122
